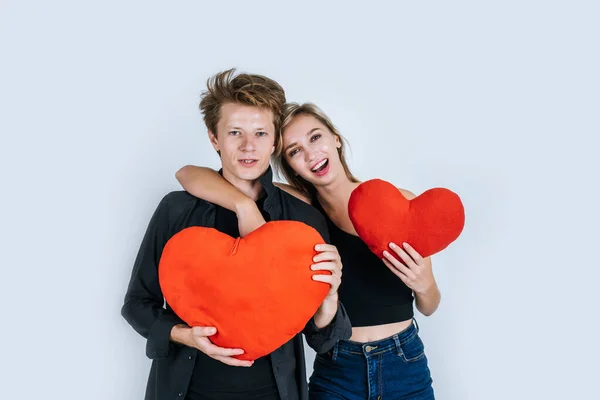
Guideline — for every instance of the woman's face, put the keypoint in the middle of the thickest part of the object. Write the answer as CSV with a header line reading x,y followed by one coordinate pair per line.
x,y
312,150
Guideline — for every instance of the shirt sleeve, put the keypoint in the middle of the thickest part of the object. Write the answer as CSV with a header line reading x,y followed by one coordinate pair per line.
x,y
322,340
144,307
319,223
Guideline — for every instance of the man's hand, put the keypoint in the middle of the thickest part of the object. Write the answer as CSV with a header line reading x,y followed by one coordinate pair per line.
x,y
198,338
328,259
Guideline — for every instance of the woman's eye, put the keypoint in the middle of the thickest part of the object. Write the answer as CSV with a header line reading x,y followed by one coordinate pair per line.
x,y
315,137
291,153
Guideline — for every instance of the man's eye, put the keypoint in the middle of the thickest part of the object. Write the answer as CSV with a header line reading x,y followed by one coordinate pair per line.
x,y
234,133
261,133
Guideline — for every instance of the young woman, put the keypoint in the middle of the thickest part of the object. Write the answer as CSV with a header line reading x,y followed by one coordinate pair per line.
x,y
384,358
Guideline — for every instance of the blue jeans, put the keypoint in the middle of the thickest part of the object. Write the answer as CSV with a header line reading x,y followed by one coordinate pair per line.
x,y
391,368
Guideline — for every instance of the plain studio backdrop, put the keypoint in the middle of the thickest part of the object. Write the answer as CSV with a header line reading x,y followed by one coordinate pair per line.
x,y
498,101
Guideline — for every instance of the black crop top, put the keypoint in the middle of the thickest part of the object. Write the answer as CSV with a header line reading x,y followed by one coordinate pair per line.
x,y
370,292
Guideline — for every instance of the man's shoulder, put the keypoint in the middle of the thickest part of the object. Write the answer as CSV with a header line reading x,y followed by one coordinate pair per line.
x,y
180,201
298,206
298,210
177,197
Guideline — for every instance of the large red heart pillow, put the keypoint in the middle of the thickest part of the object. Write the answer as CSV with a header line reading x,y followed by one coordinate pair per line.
x,y
429,222
257,290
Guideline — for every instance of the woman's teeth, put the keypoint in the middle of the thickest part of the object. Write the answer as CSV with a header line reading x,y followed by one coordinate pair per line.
x,y
319,165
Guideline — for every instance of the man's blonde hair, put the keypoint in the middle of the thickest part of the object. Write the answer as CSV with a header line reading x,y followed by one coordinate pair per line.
x,y
248,89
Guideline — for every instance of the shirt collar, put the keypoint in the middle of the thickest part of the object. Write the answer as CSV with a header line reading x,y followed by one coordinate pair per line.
x,y
271,191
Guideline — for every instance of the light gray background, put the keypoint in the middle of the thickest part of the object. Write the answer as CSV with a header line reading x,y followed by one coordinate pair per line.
x,y
498,101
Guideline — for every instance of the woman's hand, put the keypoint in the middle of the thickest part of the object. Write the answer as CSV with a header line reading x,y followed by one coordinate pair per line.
x,y
415,271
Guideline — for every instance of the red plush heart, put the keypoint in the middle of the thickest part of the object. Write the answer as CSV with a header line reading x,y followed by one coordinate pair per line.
x,y
429,222
257,290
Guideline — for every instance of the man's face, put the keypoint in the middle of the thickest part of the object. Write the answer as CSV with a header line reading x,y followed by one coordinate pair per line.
x,y
246,139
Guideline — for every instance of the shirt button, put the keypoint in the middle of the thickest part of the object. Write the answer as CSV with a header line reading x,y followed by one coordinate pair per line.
x,y
180,394
190,358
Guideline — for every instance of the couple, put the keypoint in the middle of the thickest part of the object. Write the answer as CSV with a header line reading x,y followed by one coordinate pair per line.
x,y
379,356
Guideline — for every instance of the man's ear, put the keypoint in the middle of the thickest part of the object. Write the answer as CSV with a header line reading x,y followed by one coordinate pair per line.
x,y
213,140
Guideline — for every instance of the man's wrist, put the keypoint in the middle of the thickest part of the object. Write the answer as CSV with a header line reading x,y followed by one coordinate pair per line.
x,y
327,311
180,334
331,300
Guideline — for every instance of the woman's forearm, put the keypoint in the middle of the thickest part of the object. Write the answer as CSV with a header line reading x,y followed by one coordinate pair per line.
x,y
428,301
207,184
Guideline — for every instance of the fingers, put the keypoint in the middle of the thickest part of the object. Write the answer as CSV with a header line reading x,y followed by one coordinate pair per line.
x,y
326,256
411,251
204,330
396,272
234,362
397,265
326,266
327,252
201,334
326,247
213,350
403,255
333,280
328,260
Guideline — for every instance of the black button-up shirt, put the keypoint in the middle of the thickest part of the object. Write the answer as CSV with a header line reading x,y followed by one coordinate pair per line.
x,y
146,311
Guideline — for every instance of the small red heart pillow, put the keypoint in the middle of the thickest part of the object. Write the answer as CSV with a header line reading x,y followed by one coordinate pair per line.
x,y
429,222
257,290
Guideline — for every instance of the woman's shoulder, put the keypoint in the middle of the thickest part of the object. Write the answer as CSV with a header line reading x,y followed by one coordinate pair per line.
x,y
407,193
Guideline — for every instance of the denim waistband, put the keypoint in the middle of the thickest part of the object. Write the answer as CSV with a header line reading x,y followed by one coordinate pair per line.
x,y
392,343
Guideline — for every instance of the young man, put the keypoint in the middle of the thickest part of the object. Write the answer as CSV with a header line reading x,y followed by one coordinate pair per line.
x,y
242,114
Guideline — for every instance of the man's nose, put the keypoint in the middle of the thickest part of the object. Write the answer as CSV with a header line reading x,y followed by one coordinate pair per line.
x,y
248,144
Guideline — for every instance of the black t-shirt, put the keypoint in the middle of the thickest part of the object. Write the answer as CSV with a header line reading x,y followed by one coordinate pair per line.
x,y
370,292
212,379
